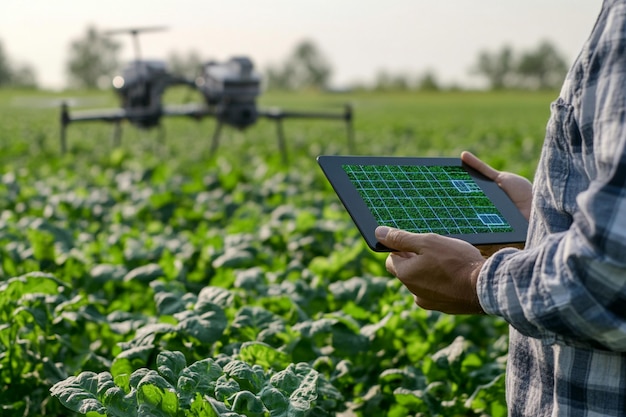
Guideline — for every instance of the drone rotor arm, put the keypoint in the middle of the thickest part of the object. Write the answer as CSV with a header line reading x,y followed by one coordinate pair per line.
x,y
278,115
106,115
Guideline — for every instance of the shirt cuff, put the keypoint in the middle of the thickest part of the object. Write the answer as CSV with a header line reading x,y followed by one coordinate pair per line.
x,y
488,283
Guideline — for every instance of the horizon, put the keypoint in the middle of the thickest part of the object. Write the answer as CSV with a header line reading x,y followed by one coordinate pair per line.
x,y
359,39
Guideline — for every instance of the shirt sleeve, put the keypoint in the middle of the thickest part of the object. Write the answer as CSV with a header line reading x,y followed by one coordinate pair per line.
x,y
571,286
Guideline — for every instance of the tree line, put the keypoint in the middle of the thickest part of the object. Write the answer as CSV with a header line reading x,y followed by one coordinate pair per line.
x,y
540,68
94,59
15,74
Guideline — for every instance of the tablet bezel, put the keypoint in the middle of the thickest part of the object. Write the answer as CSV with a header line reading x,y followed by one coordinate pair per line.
x,y
363,218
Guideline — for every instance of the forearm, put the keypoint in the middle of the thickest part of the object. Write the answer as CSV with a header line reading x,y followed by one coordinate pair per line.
x,y
559,291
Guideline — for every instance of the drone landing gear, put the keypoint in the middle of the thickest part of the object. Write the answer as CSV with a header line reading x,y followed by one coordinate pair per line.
x,y
281,139
279,131
117,134
215,140
65,120
278,115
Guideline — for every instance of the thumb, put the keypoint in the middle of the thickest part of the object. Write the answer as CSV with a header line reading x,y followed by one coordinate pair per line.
x,y
397,240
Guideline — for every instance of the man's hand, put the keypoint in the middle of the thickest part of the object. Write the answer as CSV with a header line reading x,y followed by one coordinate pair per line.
x,y
441,272
518,188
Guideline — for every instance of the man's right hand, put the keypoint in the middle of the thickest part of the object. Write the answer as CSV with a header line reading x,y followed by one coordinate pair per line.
x,y
518,188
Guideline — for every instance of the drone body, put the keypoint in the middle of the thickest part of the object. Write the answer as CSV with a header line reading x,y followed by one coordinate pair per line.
x,y
232,88
229,92
140,89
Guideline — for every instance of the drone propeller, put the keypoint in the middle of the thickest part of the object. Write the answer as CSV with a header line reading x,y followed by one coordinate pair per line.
x,y
134,32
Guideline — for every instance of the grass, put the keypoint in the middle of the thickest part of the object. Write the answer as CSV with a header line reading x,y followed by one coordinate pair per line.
x,y
506,128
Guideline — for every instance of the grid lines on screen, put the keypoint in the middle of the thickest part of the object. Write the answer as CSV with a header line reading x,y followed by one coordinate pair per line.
x,y
422,199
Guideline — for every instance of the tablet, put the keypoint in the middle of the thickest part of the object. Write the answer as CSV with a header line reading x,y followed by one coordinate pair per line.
x,y
423,195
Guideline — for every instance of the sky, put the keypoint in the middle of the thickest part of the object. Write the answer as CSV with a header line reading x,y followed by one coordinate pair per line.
x,y
358,37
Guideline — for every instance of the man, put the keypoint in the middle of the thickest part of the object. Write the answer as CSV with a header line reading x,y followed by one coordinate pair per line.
x,y
564,294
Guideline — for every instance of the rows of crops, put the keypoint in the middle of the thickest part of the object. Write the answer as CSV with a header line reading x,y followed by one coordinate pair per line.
x,y
153,280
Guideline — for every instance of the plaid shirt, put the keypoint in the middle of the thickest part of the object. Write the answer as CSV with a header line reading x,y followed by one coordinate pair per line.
x,y
564,295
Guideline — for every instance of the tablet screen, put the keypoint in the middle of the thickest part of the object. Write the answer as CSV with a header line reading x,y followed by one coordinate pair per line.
x,y
423,195
426,199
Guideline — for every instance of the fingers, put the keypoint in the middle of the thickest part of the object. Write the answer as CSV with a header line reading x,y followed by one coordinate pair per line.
x,y
442,277
480,166
400,240
396,261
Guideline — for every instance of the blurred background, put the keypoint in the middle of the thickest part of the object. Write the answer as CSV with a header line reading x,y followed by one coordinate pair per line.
x,y
350,44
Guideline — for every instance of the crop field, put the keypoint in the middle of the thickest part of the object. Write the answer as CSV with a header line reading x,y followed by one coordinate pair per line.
x,y
150,278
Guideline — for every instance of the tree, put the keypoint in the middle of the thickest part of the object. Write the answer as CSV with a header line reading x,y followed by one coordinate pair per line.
x,y
22,75
5,68
497,67
539,68
542,68
428,82
402,81
386,81
305,67
91,58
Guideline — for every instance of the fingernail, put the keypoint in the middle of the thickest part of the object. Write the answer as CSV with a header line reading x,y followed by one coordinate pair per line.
x,y
381,232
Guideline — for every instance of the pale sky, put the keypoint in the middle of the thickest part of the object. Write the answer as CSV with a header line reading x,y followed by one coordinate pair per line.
x,y
359,37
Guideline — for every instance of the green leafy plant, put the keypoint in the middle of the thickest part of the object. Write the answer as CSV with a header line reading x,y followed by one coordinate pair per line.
x,y
204,388
153,279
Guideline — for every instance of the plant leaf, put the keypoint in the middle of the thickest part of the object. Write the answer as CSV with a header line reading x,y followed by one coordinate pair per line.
x,y
156,397
170,364
146,273
199,377
249,404
79,393
248,377
264,355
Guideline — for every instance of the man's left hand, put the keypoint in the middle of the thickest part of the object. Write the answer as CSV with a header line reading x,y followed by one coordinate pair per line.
x,y
441,272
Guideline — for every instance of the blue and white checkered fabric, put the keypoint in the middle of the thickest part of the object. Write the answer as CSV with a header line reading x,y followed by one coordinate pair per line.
x,y
565,294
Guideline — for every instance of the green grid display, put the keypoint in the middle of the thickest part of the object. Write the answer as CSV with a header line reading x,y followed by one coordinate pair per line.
x,y
423,199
